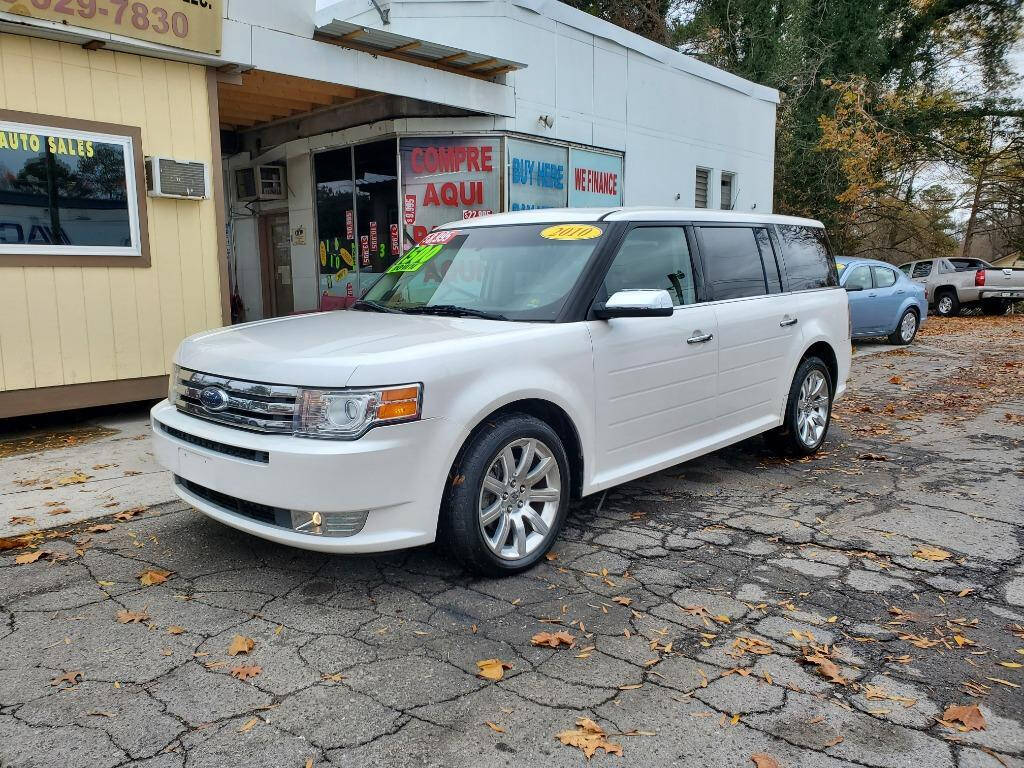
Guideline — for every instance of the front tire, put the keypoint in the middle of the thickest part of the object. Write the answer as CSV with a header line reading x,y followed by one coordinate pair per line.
x,y
808,410
507,496
947,304
906,329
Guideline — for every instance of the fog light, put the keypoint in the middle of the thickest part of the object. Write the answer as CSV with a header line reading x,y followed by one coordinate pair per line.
x,y
338,524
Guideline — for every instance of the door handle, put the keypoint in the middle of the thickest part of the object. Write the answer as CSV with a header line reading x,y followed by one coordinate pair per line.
x,y
900,292
700,338
789,321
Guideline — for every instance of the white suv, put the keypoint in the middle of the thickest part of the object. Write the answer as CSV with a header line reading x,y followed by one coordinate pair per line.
x,y
504,366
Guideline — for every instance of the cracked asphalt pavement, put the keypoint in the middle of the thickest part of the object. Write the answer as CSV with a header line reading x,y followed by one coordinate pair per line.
x,y
735,568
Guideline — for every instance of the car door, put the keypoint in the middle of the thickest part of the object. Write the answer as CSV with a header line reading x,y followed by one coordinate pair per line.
x,y
859,291
655,376
890,295
758,326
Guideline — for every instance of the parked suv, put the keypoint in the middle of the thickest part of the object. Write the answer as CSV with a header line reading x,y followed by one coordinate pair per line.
x,y
952,284
503,366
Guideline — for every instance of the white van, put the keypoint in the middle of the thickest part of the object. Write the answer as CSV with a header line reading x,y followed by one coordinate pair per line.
x,y
504,366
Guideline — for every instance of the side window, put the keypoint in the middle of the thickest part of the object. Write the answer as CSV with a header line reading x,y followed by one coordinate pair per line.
x,y
654,257
771,263
884,277
732,262
905,269
922,269
860,277
808,261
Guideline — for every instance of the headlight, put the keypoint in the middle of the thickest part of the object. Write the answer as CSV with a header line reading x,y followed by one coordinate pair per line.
x,y
348,413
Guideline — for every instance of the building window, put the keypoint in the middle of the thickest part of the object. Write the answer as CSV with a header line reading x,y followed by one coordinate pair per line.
x,y
70,192
700,195
728,184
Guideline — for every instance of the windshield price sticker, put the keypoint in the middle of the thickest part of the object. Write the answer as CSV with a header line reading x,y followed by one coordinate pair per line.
x,y
440,237
571,232
414,260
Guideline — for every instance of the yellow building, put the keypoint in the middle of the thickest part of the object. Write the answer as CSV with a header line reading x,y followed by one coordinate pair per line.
x,y
98,290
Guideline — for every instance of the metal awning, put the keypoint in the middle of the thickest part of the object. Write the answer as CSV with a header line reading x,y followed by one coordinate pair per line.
x,y
381,43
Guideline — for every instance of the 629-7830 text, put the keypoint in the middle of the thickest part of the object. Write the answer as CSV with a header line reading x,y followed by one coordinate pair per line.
x,y
191,24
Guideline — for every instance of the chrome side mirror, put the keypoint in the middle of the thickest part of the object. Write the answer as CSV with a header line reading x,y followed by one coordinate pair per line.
x,y
636,303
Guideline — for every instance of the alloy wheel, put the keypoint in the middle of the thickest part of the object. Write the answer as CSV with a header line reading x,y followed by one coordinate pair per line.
x,y
812,408
945,305
908,327
519,498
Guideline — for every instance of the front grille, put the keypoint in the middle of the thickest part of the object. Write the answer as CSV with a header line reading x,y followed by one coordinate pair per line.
x,y
335,524
250,405
213,445
254,511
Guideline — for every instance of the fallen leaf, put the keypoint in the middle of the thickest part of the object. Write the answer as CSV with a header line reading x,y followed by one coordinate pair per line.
x,y
100,528
826,667
72,678
495,727
492,669
622,600
30,557
60,511
588,738
244,673
174,629
873,457
550,556
133,617
969,717
896,380
932,553
335,678
76,479
249,725
22,520
554,639
152,576
128,514
240,644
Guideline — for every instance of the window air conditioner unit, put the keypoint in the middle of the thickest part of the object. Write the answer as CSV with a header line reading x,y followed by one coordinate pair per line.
x,y
171,178
261,182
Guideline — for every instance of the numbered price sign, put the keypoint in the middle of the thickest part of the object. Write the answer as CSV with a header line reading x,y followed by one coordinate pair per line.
x,y
194,25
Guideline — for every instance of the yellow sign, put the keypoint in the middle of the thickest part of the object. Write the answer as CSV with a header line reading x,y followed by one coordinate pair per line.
x,y
191,24
571,232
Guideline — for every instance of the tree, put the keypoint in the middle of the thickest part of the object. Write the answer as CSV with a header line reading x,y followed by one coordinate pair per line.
x,y
888,51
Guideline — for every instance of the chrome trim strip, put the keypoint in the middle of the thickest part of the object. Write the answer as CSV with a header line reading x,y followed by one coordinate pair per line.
x,y
254,406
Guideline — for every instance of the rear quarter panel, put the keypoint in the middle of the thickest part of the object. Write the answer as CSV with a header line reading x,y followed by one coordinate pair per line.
x,y
824,317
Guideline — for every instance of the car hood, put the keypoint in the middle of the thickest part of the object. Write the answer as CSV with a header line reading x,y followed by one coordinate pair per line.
x,y
325,349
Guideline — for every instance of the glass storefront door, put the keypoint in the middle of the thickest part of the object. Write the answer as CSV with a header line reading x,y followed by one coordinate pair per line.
x,y
336,229
376,172
357,218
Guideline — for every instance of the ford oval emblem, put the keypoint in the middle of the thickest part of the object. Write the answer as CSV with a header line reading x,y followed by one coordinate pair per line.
x,y
214,399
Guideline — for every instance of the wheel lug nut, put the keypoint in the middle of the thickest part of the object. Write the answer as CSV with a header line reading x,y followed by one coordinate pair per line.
x,y
522,488
508,509
520,505
504,495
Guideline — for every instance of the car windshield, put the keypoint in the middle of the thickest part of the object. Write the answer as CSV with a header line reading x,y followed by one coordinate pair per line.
x,y
505,272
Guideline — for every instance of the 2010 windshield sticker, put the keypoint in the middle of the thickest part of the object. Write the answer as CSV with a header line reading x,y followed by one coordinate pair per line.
x,y
571,232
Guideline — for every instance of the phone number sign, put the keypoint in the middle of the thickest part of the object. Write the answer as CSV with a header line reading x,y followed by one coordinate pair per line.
x,y
191,24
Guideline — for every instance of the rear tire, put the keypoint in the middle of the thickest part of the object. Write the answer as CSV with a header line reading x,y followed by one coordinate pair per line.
x,y
947,304
906,329
995,307
808,411
507,496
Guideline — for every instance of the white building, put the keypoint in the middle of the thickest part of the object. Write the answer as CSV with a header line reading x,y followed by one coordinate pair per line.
x,y
565,109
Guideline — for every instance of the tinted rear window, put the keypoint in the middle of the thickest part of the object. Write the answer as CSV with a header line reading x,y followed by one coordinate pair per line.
x,y
922,269
808,262
732,262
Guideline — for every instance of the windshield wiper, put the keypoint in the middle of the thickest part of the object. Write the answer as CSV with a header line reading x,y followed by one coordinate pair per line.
x,y
451,310
375,306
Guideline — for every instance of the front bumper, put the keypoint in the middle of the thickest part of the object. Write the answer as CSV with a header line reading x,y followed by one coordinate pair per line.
x,y
394,474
